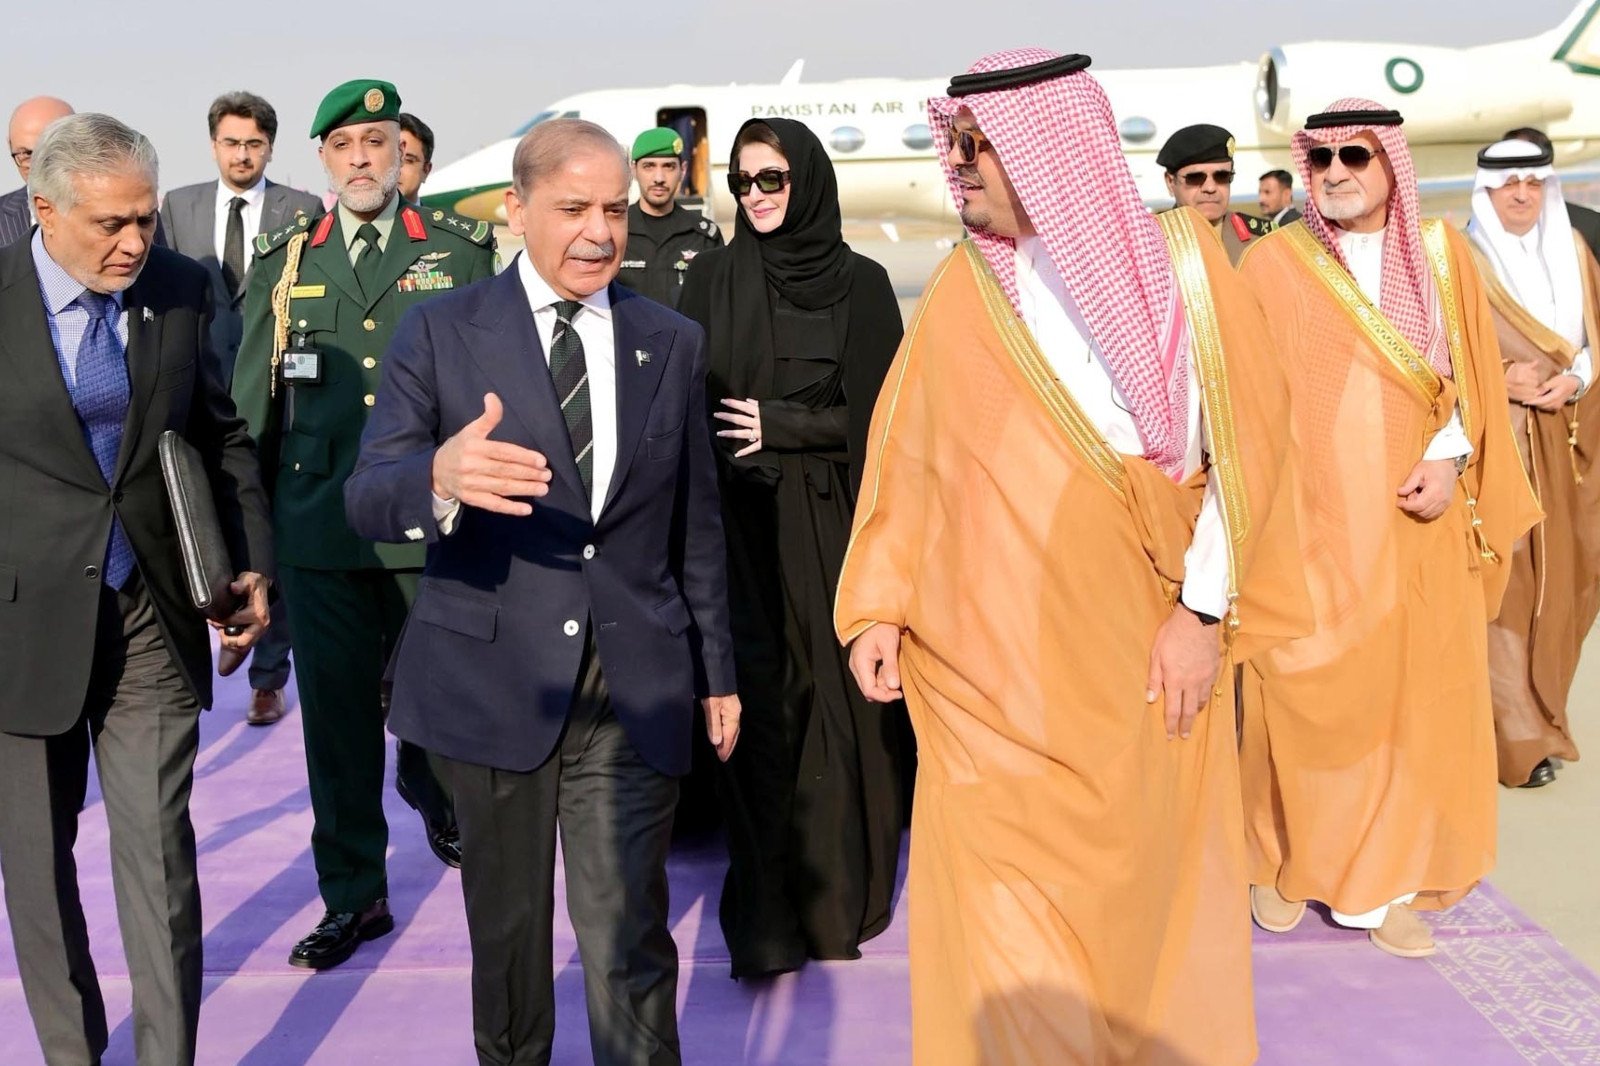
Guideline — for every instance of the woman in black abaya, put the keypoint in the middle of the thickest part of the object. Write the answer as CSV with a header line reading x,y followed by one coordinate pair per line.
x,y
800,331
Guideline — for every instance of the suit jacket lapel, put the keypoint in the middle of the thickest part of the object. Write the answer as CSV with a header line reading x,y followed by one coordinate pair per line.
x,y
144,366
641,360
25,338
334,261
510,355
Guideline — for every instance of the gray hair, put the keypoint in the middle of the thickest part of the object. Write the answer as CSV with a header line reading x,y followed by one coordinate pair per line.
x,y
87,144
544,149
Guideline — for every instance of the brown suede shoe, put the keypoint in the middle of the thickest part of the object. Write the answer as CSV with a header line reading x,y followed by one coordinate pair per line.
x,y
1272,912
1403,934
266,707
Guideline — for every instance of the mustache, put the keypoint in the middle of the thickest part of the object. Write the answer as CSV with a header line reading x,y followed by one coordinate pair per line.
x,y
589,250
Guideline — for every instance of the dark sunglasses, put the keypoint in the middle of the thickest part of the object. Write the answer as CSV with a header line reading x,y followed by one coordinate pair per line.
x,y
770,180
1196,178
1353,156
965,143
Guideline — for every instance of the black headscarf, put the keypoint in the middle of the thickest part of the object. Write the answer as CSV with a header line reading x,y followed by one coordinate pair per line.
x,y
805,259
806,262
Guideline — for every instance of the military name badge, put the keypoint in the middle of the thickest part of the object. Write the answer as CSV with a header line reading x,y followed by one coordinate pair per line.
x,y
307,292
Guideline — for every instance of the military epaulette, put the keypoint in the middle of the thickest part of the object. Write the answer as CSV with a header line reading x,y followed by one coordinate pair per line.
x,y
470,229
1247,226
267,243
709,228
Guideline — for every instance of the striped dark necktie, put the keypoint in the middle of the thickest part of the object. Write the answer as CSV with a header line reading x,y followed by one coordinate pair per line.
x,y
571,376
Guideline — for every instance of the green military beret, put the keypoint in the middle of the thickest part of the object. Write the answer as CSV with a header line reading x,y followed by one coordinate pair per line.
x,y
659,141
1195,144
362,100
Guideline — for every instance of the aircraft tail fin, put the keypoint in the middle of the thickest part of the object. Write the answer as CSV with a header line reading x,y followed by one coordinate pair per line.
x,y
1578,39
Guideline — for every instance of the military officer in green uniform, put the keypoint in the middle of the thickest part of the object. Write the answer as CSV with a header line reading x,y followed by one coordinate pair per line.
x,y
662,236
324,298
1199,165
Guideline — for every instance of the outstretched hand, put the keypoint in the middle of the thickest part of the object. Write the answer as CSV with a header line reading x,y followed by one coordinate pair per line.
x,y
489,474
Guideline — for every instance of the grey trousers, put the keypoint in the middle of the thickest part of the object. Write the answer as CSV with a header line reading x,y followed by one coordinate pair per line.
x,y
143,724
614,813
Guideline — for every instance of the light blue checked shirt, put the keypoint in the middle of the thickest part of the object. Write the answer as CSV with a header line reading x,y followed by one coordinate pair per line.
x,y
68,321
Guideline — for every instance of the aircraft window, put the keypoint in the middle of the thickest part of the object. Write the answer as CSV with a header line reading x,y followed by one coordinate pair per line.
x,y
534,121
1137,129
846,139
917,137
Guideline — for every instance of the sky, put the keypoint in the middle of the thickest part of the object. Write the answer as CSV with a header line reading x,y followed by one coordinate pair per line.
x,y
475,70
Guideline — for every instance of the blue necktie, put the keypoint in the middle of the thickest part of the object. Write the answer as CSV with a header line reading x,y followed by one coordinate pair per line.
x,y
100,396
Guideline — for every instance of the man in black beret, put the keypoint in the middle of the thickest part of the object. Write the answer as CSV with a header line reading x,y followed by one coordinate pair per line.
x,y
1199,165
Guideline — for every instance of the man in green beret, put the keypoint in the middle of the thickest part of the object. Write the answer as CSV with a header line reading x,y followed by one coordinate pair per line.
x,y
662,236
323,299
1199,165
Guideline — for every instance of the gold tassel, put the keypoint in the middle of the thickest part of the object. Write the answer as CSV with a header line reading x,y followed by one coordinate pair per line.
x,y
1572,450
1484,551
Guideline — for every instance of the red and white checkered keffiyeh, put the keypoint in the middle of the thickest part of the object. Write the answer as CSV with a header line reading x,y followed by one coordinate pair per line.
x,y
1408,296
1057,140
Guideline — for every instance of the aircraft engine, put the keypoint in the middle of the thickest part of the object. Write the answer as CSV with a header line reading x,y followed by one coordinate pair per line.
x,y
1443,93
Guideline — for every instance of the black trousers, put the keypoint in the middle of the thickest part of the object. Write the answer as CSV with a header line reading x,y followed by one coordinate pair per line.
x,y
614,814
144,726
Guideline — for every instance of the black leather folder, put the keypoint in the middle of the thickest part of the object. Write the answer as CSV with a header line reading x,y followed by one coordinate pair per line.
x,y
207,569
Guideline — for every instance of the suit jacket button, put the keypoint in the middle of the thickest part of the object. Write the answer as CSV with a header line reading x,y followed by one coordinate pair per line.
x,y
369,325
369,399
116,497
369,362
588,551
91,572
570,627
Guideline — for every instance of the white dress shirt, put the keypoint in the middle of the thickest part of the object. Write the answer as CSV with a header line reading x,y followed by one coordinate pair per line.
x,y
594,326
1364,253
1536,290
1063,336
255,199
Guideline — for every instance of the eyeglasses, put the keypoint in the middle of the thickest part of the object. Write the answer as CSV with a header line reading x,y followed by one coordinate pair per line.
x,y
255,146
1196,178
965,143
21,156
1353,156
769,180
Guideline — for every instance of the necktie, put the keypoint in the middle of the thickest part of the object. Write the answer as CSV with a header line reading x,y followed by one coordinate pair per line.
x,y
367,261
100,396
233,247
571,376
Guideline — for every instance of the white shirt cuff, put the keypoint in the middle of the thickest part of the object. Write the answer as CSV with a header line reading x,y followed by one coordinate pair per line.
x,y
1450,442
445,513
1205,564
1582,368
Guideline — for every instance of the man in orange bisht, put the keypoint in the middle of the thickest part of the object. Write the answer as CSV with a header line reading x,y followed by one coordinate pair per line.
x,y
1076,508
1544,286
1368,751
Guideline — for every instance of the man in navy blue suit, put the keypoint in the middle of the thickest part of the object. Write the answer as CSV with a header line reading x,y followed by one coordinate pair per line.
x,y
545,432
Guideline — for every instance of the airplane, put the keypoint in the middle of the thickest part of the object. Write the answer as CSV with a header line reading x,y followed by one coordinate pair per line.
x,y
1454,100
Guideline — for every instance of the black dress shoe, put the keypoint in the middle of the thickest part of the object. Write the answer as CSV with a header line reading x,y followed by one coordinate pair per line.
x,y
338,935
1542,775
444,843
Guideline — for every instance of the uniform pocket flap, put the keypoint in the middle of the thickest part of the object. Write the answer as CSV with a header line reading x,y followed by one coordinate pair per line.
x,y
471,618
8,583
675,613
305,454
313,315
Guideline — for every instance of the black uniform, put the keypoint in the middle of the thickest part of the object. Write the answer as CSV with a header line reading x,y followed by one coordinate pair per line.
x,y
659,250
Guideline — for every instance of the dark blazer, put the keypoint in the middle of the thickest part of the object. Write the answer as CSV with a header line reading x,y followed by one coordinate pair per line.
x,y
58,508
1586,221
188,226
486,668
1291,214
15,219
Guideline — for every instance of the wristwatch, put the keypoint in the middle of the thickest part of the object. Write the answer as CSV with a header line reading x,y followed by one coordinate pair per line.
x,y
1205,619
1461,464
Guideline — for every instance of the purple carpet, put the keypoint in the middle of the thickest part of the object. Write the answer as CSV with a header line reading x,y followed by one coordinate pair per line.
x,y
1501,992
